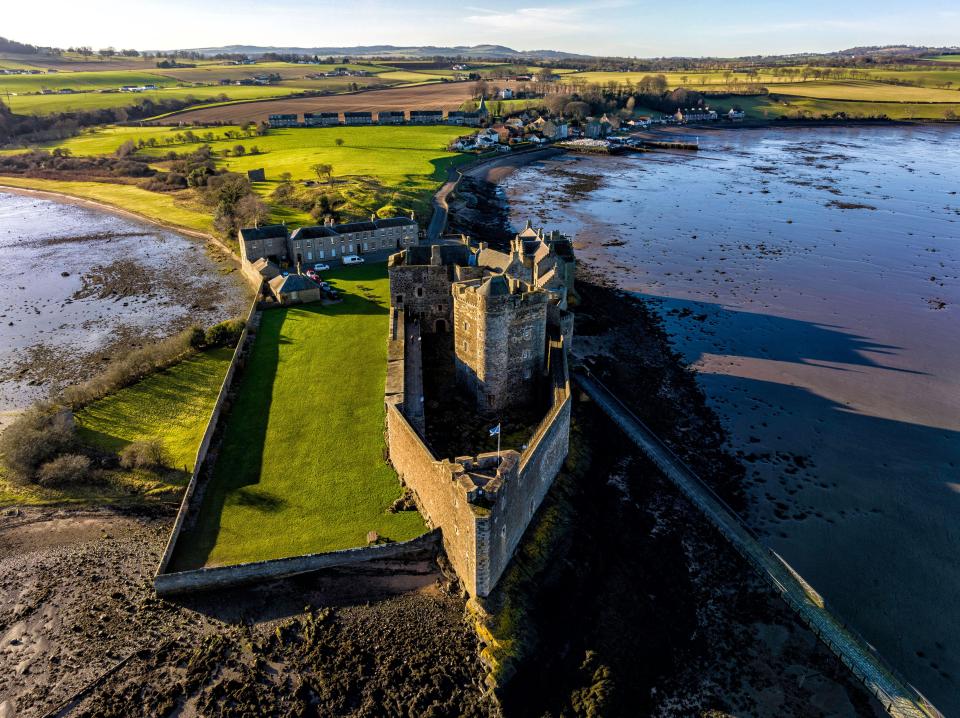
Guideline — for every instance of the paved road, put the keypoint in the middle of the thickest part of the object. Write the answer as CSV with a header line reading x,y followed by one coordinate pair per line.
x,y
897,696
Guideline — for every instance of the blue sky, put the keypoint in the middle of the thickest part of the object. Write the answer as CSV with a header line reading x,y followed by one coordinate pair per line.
x,y
602,27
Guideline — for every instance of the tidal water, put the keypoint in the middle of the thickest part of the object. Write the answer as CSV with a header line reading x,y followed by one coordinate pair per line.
x,y
812,278
80,286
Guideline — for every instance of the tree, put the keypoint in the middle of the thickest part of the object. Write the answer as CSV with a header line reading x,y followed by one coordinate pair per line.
x,y
322,170
239,150
251,210
338,142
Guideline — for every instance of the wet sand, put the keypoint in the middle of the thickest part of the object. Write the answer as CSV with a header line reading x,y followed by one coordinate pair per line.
x,y
82,285
811,278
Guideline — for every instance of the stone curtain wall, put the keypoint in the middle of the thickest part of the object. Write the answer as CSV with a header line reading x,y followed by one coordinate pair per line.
x,y
539,465
439,498
479,542
423,291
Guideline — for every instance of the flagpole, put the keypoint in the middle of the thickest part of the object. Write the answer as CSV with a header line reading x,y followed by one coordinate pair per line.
x,y
499,431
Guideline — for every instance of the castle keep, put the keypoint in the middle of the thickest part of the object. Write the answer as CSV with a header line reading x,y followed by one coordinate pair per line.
x,y
505,320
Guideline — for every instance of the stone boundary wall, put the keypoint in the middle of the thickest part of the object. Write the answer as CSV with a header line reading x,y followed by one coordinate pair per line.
x,y
218,577
249,332
479,541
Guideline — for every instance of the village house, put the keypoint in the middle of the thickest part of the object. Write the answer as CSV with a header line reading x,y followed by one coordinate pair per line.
x,y
506,94
426,117
294,289
736,115
472,119
358,118
283,121
321,119
455,117
390,117
322,243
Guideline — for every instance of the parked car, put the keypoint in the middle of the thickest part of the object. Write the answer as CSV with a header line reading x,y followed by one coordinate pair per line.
x,y
352,259
321,267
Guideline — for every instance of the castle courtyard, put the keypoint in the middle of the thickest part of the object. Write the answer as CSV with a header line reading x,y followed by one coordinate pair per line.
x,y
301,469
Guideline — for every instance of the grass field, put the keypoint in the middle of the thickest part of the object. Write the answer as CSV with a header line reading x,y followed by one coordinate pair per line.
x,y
866,91
945,58
46,104
374,167
774,106
171,208
172,405
301,469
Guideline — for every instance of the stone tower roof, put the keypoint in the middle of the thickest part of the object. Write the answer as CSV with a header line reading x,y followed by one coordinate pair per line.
x,y
495,286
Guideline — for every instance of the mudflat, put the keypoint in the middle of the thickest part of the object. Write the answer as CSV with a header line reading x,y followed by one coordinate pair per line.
x,y
812,279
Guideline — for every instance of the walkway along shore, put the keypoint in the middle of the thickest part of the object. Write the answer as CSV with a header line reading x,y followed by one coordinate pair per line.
x,y
898,697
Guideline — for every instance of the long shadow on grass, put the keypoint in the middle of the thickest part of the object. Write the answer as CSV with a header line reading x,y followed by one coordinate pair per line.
x,y
240,454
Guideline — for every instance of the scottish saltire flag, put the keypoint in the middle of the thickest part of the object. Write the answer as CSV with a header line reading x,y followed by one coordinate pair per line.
x,y
495,430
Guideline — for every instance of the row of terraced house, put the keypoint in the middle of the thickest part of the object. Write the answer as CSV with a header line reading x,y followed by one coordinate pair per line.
x,y
384,117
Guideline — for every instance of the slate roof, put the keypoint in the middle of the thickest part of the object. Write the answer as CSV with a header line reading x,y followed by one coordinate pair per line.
x,y
354,227
313,232
267,231
291,283
495,286
394,222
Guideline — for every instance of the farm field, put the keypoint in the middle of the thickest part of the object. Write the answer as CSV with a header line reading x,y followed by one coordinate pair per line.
x,y
80,81
301,469
172,405
445,96
170,208
774,106
945,58
46,104
866,91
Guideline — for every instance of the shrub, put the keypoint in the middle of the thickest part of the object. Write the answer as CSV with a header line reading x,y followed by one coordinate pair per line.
x,y
64,470
130,368
226,333
34,438
145,454
198,338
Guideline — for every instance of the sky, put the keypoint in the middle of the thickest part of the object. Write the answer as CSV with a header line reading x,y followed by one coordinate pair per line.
x,y
601,27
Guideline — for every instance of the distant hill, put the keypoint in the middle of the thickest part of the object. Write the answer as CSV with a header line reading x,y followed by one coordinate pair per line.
x,y
476,51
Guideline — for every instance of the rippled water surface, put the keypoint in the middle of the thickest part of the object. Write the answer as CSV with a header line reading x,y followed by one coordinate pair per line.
x,y
813,279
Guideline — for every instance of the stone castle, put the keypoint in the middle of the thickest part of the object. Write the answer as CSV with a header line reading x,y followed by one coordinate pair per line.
x,y
505,318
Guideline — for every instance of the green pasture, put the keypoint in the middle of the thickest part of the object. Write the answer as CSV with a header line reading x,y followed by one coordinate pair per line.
x,y
774,106
944,58
301,468
176,208
173,405
47,104
866,91
80,81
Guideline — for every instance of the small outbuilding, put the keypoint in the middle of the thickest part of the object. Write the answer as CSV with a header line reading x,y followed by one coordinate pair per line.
x,y
294,289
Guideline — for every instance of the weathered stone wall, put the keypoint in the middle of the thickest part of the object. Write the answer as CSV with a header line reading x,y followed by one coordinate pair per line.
x,y
499,343
438,497
423,291
539,464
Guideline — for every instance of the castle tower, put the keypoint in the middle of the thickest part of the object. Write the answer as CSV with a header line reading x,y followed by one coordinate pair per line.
x,y
500,338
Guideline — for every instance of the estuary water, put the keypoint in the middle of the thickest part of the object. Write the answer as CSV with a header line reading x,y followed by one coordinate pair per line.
x,y
812,278
80,286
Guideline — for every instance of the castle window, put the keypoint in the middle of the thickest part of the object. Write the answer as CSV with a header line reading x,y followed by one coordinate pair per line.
x,y
399,299
466,326
419,291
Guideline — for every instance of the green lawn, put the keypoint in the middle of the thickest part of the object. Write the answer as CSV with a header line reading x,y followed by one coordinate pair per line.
x,y
774,106
301,468
944,58
172,405
80,81
169,208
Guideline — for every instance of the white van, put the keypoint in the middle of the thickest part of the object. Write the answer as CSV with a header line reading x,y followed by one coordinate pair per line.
x,y
352,259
